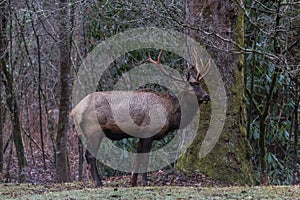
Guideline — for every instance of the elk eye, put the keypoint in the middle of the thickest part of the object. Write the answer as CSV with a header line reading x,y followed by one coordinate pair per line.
x,y
194,83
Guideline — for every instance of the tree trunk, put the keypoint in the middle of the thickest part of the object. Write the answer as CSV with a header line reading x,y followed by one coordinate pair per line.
x,y
62,163
296,158
2,64
1,120
219,25
17,134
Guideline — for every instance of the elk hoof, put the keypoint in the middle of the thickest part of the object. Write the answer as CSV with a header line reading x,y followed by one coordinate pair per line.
x,y
98,184
144,183
133,183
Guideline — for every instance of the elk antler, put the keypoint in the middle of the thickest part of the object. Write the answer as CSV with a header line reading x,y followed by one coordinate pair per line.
x,y
161,67
203,70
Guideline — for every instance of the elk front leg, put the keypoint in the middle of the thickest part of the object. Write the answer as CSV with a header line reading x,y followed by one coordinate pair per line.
x,y
141,161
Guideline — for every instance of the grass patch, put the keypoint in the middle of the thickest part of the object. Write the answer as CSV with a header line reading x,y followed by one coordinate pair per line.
x,y
85,191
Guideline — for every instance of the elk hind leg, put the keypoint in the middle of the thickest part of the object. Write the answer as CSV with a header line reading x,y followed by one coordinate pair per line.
x,y
93,144
91,160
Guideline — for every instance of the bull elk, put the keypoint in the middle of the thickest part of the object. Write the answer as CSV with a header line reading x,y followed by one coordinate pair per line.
x,y
140,104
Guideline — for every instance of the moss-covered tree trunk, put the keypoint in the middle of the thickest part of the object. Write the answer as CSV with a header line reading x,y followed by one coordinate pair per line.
x,y
219,26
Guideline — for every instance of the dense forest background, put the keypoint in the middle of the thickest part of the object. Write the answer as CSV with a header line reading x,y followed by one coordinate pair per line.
x,y
43,43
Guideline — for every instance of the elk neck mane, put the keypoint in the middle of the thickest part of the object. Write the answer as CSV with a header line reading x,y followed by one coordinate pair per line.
x,y
165,94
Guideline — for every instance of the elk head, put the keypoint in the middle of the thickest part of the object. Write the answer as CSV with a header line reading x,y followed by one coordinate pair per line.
x,y
202,70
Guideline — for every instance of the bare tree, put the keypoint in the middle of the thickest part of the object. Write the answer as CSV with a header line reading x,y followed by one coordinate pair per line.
x,y
11,94
2,65
62,162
